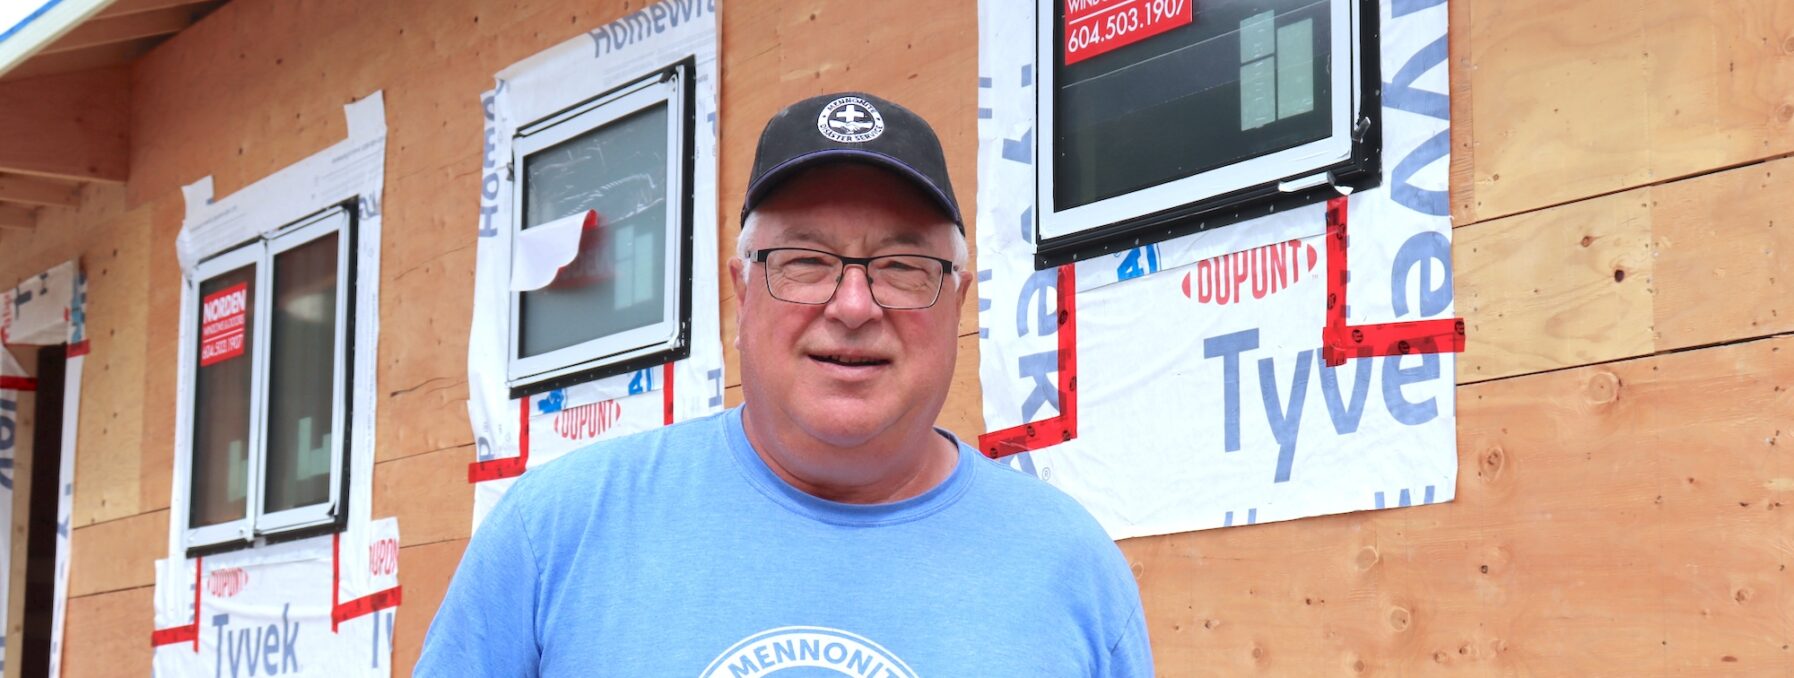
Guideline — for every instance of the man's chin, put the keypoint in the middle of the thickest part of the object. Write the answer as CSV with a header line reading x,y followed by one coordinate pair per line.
x,y
843,422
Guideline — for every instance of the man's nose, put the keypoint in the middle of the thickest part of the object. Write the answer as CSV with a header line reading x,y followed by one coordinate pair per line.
x,y
853,305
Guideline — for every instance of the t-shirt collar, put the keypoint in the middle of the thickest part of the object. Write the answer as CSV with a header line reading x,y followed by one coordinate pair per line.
x,y
803,503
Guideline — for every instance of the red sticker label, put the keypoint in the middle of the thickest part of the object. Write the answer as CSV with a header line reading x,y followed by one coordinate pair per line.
x,y
1094,27
224,324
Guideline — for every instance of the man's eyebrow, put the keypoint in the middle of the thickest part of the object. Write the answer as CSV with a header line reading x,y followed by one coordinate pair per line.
x,y
803,235
910,238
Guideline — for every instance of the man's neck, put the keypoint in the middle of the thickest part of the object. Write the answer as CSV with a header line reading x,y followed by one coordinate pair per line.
x,y
888,468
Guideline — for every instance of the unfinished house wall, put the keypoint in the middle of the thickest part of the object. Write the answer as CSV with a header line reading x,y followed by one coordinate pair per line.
x,y
1626,495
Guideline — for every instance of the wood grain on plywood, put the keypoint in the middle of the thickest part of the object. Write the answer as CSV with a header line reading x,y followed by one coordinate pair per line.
x,y
161,364
1633,514
426,571
963,413
1587,98
117,554
1725,248
1692,262
426,292
1463,128
428,493
110,438
106,635
69,126
1566,286
1721,83
1563,114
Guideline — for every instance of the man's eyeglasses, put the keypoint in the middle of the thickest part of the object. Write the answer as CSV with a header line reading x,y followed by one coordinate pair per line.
x,y
806,276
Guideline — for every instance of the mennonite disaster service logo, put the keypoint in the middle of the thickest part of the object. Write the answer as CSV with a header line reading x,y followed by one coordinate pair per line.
x,y
831,651
850,120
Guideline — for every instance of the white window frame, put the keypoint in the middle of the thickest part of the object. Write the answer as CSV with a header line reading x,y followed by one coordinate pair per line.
x,y
665,88
1291,169
261,254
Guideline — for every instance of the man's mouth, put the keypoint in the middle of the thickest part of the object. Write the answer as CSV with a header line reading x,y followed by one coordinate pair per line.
x,y
848,360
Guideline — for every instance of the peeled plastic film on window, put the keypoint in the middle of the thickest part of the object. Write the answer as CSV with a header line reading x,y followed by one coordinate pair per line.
x,y
512,434
539,254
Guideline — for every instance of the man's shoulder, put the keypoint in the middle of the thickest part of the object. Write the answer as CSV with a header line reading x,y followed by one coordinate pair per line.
x,y
1022,498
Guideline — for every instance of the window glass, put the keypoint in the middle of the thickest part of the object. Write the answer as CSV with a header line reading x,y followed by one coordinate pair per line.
x,y
616,282
301,376
221,400
1246,78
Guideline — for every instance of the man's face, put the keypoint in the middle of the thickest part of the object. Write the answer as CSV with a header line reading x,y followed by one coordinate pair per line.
x,y
849,370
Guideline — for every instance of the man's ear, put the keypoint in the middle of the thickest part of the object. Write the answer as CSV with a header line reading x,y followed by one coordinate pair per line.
x,y
738,278
965,286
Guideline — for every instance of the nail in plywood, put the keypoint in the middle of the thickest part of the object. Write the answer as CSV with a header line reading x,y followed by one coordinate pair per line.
x,y
1585,98
1566,286
1726,255
161,354
108,466
72,126
1562,117
1635,514
1720,74
1630,515
118,554
24,435
1463,131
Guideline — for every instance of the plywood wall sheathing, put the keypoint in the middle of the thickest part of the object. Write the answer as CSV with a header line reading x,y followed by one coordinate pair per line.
x,y
1575,99
1637,514
1622,198
67,126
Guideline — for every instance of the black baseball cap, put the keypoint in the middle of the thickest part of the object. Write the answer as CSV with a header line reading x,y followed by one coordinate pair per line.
x,y
850,127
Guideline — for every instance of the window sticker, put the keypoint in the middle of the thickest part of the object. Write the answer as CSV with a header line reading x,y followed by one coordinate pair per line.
x,y
225,315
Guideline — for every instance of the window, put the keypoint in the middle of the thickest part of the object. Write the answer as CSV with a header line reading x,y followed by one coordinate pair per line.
x,y
270,372
1159,118
624,300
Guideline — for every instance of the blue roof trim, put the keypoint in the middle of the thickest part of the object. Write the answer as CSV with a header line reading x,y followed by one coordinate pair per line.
x,y
41,10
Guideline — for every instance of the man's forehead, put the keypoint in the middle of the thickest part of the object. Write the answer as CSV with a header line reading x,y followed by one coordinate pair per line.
x,y
798,231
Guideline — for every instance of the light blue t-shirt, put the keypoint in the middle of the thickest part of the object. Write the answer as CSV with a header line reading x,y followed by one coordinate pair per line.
x,y
679,553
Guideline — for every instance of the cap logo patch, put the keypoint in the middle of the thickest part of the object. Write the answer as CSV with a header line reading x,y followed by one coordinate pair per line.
x,y
850,120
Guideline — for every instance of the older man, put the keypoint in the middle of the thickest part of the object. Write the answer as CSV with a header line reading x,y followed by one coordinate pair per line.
x,y
825,527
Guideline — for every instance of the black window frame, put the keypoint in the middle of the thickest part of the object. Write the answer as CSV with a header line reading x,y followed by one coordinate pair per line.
x,y
1152,224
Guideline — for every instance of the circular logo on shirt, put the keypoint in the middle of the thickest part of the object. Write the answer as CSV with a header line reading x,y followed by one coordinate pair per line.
x,y
814,647
850,120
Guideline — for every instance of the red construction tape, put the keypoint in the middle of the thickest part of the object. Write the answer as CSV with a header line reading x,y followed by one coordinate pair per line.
x,y
365,605
666,394
508,467
511,467
190,632
1341,341
1064,426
